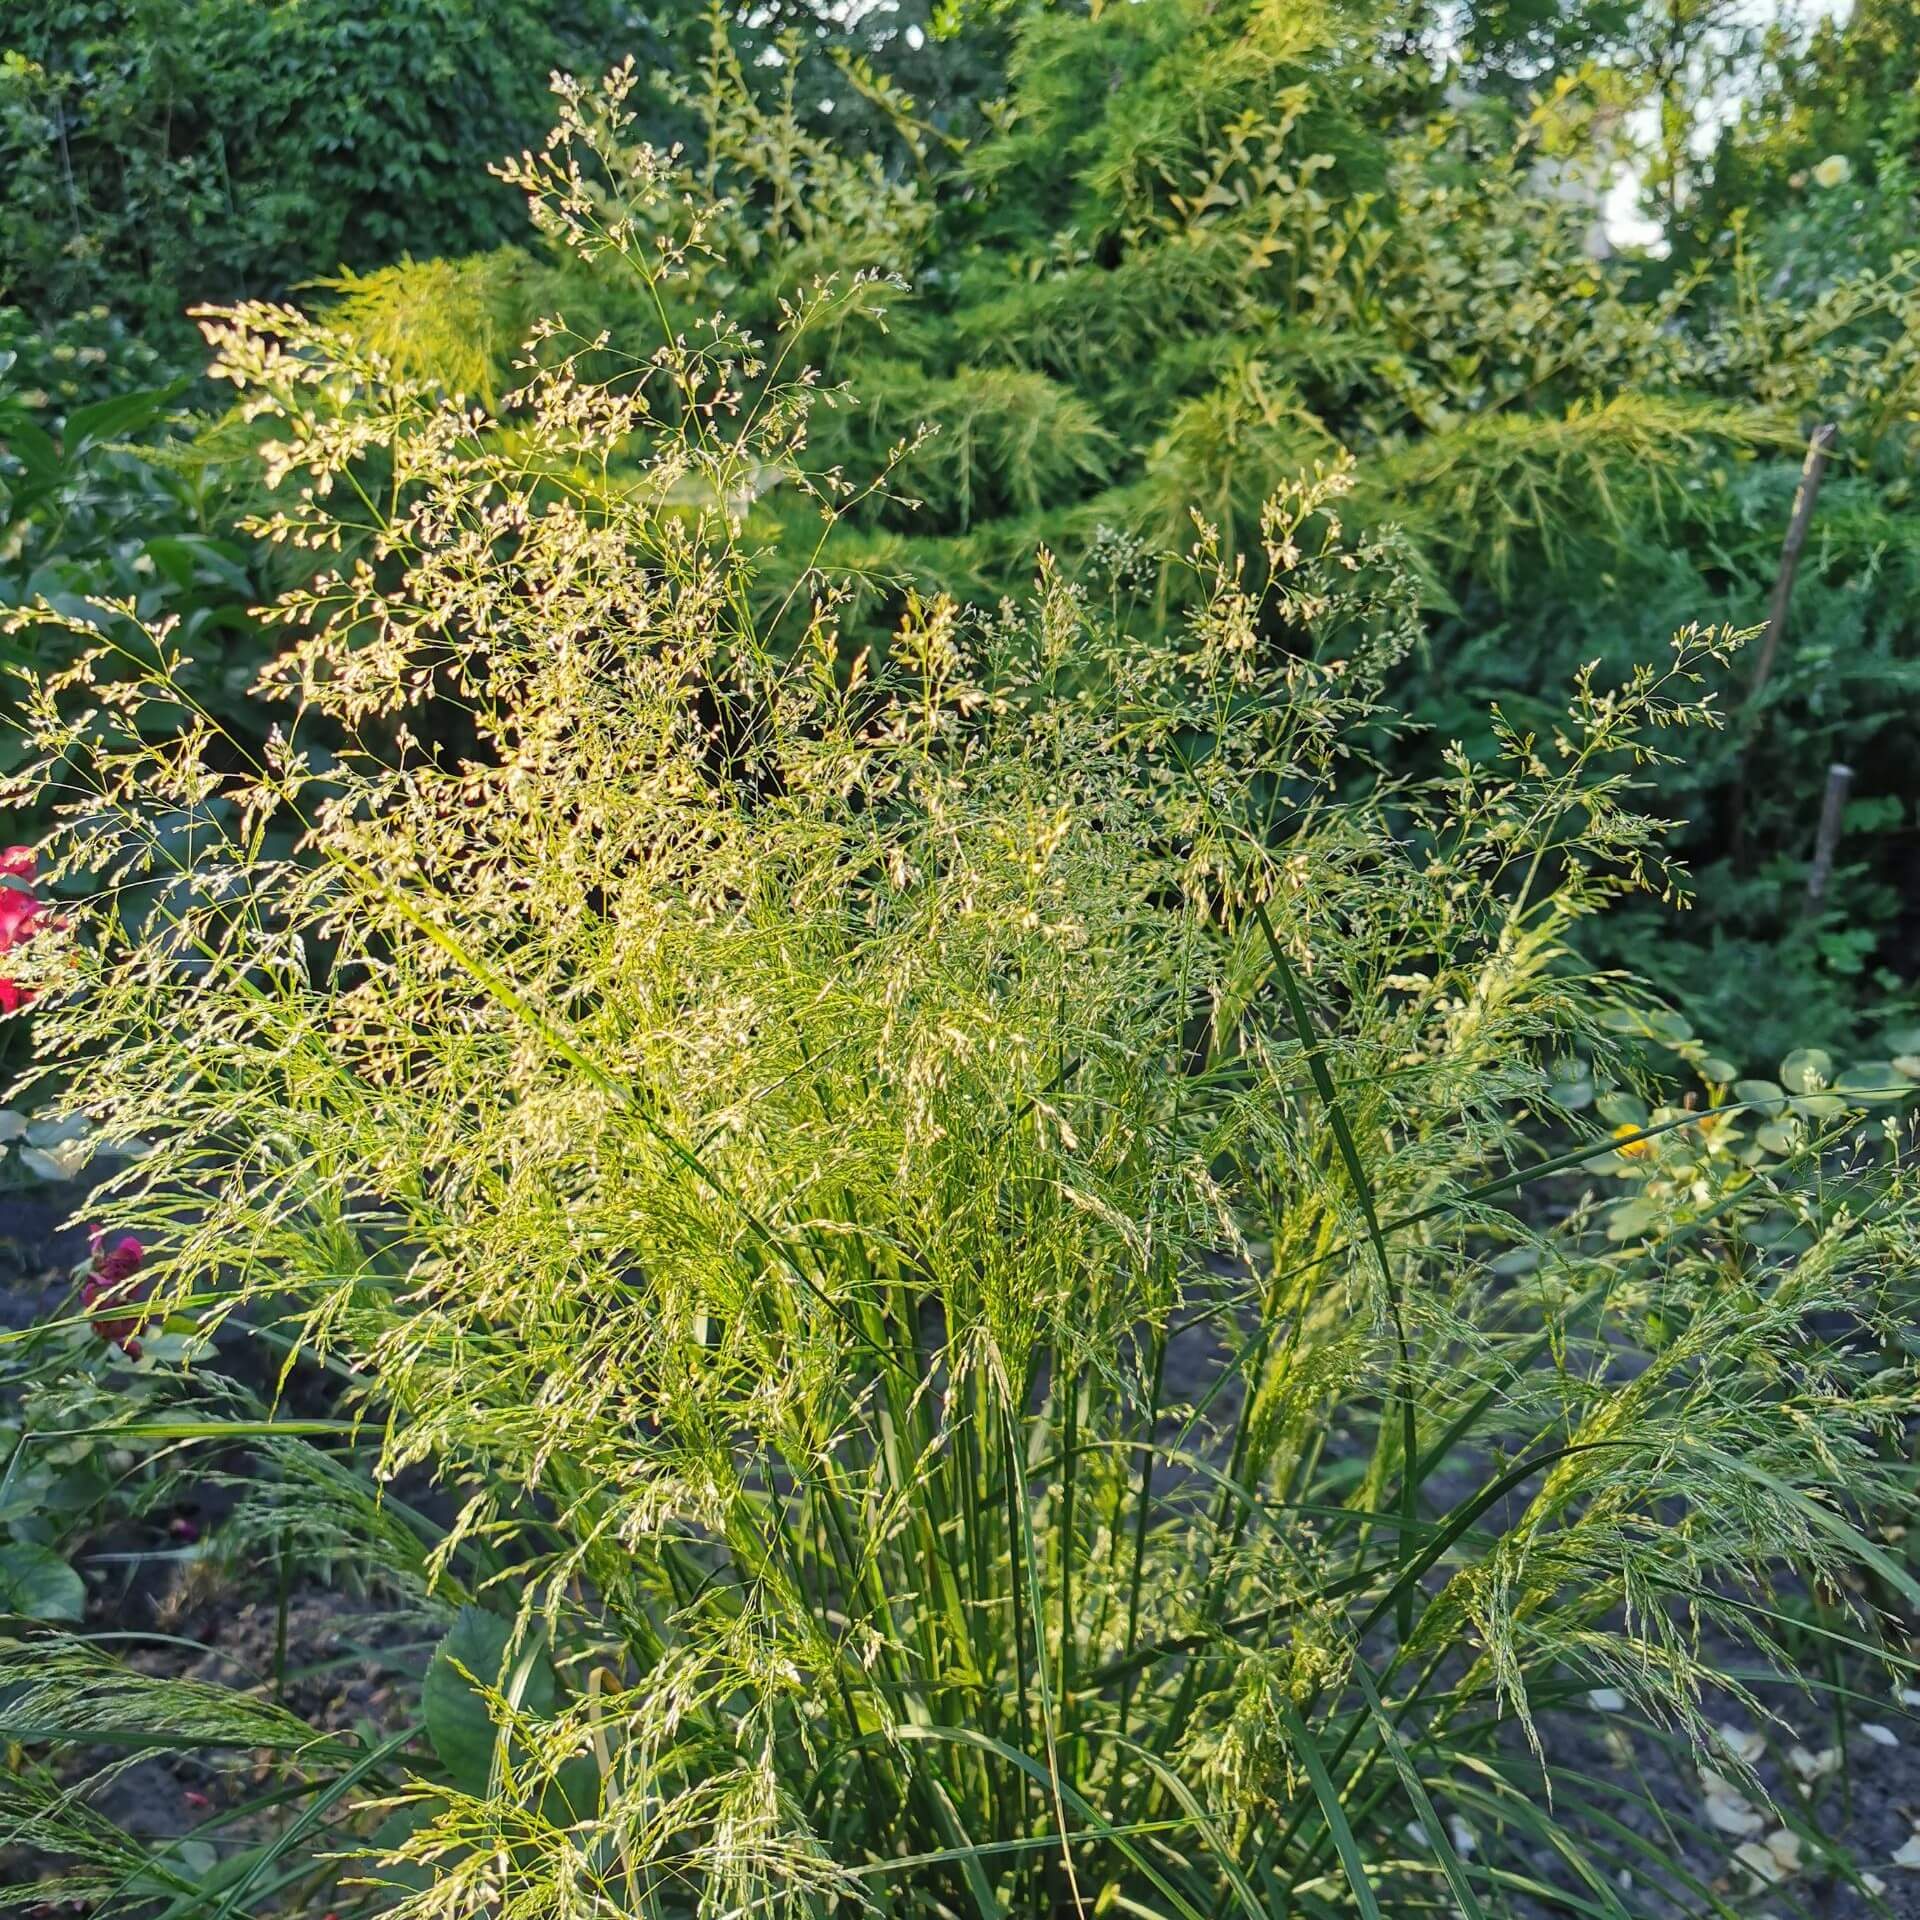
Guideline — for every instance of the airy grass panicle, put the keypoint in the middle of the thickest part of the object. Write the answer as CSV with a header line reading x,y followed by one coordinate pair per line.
x,y
949,1227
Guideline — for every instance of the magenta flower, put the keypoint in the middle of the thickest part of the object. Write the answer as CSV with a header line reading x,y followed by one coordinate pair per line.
x,y
20,913
109,1284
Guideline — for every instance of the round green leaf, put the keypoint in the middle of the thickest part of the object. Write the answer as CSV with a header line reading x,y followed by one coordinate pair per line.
x,y
1631,1218
36,1584
1762,1095
1515,1261
1869,1080
1807,1070
1621,1109
1659,1024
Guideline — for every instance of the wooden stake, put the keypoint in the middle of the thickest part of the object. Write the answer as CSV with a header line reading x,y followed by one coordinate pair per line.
x,y
1826,841
1819,444
1811,471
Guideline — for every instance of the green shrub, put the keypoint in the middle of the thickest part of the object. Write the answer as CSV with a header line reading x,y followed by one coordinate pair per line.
x,y
1816,170
162,152
770,1132
109,486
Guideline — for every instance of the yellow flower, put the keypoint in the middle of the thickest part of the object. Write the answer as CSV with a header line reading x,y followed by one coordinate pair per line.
x,y
1635,1148
1833,171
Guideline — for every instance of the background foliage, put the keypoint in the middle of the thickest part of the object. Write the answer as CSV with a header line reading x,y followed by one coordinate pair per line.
x,y
1152,259
661,1103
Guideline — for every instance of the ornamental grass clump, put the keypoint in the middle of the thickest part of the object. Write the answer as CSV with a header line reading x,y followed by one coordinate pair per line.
x,y
950,1229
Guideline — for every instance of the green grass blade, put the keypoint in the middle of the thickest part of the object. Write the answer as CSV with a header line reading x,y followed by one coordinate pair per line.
x,y
1437,1836
1363,1195
1099,1828
1333,1812
335,1791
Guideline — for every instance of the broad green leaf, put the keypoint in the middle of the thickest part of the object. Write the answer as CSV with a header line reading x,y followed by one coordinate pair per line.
x,y
182,556
1871,1080
1631,1218
459,1723
34,448
461,1727
1659,1024
114,418
1621,1109
1818,1106
36,1584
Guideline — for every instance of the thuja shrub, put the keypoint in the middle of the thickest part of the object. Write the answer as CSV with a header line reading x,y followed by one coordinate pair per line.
x,y
951,1228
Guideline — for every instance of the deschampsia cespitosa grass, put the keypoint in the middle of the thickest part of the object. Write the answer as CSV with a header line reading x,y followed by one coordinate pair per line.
x,y
953,1229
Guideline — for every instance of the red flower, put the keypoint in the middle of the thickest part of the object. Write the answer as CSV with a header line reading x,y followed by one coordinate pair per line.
x,y
20,913
109,1283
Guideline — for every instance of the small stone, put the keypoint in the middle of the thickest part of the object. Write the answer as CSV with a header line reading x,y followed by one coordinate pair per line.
x,y
1734,1817
1727,1807
1772,1860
